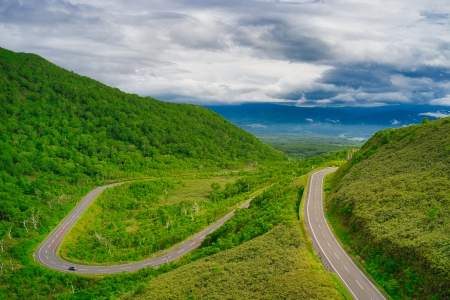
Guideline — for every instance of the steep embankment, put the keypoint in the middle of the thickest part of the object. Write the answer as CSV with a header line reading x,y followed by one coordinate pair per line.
x,y
61,134
393,198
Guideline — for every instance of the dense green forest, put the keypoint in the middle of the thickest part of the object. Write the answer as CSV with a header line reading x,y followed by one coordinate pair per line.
x,y
61,134
390,204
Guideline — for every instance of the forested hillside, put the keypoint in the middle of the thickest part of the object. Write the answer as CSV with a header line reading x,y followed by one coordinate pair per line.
x,y
392,203
56,110
61,134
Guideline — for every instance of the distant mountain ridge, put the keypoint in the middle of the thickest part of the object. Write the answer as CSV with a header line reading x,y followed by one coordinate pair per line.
x,y
286,113
265,119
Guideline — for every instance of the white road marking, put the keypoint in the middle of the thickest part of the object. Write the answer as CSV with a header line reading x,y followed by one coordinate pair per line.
x,y
359,284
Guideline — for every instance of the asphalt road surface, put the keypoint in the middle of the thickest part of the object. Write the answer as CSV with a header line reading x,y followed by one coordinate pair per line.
x,y
47,253
330,251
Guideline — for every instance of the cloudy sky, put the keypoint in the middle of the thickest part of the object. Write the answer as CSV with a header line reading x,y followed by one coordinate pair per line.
x,y
324,52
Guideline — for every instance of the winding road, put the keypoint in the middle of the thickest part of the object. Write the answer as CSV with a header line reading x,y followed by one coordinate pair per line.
x,y
332,254
330,251
47,252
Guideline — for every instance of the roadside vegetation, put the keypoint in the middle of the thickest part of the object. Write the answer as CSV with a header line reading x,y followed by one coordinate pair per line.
x,y
261,253
133,221
390,206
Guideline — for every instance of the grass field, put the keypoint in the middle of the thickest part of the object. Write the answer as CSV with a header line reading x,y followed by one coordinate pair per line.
x,y
262,253
135,220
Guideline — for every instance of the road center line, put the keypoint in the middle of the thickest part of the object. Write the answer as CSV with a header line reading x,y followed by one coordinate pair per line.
x,y
359,284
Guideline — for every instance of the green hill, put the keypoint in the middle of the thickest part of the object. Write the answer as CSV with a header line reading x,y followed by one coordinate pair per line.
x,y
59,112
62,134
391,203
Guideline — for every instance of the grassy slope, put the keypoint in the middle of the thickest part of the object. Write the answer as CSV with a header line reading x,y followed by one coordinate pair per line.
x,y
391,203
61,134
279,264
275,265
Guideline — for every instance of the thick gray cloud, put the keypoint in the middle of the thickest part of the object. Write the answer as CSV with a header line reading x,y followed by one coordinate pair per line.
x,y
277,38
320,52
